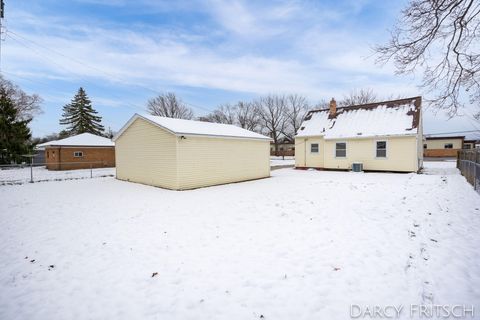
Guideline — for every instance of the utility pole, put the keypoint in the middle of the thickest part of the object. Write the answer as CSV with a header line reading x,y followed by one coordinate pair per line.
x,y
2,15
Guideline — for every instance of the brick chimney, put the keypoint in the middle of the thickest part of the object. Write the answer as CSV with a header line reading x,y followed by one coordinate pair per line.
x,y
333,107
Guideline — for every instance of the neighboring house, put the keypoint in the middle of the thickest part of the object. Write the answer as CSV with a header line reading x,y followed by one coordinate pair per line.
x,y
184,154
447,146
383,136
82,151
470,144
286,147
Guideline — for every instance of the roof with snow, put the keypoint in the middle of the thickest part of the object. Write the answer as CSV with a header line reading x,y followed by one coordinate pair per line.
x,y
181,127
388,118
83,139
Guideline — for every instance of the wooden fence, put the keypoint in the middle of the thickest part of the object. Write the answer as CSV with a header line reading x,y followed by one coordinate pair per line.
x,y
468,162
283,153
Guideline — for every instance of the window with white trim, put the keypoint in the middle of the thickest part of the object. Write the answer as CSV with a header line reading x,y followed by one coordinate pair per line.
x,y
340,149
381,151
314,148
78,154
448,146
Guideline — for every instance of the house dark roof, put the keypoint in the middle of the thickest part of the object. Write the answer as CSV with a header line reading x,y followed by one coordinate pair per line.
x,y
386,118
445,137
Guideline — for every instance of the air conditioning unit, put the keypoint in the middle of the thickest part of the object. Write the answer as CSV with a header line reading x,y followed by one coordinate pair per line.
x,y
357,167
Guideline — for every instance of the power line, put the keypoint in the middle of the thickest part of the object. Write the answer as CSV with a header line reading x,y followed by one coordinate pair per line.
x,y
97,69
452,132
127,104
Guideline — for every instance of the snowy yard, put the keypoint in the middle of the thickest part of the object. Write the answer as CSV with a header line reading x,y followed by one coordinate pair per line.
x,y
299,245
281,161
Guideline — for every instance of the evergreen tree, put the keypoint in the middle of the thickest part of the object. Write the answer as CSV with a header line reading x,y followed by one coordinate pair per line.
x,y
80,117
14,132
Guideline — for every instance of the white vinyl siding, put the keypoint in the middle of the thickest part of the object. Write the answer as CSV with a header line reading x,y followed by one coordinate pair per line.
x,y
205,161
147,154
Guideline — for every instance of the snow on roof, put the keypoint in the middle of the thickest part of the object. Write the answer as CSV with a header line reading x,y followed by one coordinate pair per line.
x,y
83,139
192,127
389,118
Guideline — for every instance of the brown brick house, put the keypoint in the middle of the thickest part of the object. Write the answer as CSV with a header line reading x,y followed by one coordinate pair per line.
x,y
82,151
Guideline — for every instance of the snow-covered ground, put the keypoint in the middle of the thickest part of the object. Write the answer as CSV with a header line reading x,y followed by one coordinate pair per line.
x,y
299,245
22,175
280,161
440,167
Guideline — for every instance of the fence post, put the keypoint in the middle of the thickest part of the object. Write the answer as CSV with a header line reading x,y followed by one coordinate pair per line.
x,y
475,170
91,175
31,170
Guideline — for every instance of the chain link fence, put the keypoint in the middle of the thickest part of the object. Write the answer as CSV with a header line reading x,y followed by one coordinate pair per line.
x,y
13,174
468,162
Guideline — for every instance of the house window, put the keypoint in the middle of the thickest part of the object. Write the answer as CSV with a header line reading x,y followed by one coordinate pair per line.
x,y
448,146
314,148
381,149
78,154
341,149
467,146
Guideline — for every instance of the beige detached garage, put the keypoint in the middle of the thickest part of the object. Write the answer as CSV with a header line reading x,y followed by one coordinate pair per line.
x,y
184,154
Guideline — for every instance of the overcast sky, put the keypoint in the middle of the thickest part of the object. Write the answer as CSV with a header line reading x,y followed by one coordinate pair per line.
x,y
208,52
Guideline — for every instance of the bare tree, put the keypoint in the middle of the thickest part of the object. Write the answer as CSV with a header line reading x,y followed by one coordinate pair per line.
x,y
442,38
322,104
271,110
356,97
242,114
296,107
27,105
225,113
247,116
168,105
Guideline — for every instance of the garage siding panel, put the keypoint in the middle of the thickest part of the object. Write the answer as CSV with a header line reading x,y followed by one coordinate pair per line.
x,y
205,161
147,154
300,152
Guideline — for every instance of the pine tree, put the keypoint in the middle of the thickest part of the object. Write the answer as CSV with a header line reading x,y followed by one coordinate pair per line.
x,y
80,117
14,132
